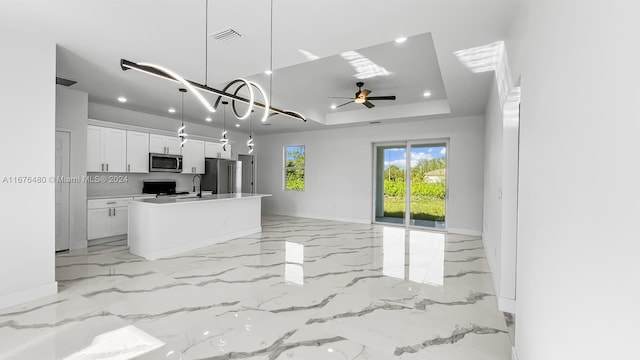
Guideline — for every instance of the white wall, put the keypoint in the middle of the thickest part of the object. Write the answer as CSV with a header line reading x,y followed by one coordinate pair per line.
x,y
492,212
27,210
578,231
71,116
339,169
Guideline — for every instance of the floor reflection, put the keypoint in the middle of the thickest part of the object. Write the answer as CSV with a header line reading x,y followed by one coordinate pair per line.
x,y
413,255
294,261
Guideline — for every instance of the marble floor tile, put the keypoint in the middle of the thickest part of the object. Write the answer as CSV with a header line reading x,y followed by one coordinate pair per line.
x,y
302,289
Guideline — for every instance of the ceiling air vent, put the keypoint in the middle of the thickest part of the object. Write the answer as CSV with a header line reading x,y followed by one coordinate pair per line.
x,y
225,35
64,82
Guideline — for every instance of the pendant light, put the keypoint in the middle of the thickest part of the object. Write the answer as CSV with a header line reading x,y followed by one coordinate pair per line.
x,y
270,54
181,134
250,143
224,139
195,88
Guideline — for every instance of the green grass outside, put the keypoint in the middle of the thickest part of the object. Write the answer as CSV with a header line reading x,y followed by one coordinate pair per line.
x,y
422,208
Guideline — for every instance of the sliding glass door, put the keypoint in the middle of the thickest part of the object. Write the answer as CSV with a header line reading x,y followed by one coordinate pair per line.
x,y
411,176
428,184
391,164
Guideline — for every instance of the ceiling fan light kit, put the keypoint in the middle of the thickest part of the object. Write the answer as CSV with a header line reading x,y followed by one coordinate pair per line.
x,y
362,97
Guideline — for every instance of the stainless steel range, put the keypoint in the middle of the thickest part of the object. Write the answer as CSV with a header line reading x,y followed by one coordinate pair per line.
x,y
161,188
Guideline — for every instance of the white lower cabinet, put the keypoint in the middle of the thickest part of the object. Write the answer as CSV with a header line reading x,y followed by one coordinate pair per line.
x,y
107,217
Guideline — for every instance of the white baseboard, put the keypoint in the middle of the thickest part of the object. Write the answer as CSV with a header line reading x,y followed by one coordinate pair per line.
x,y
506,305
106,240
77,245
514,355
330,218
469,232
27,295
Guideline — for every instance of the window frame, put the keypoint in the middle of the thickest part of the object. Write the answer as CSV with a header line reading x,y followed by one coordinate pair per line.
x,y
286,168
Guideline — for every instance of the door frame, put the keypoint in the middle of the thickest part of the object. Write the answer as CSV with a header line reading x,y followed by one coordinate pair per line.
x,y
254,168
407,215
68,218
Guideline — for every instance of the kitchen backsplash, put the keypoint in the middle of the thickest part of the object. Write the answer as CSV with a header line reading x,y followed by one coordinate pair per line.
x,y
125,184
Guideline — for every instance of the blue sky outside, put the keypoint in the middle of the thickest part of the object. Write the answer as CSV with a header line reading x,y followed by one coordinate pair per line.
x,y
397,156
289,150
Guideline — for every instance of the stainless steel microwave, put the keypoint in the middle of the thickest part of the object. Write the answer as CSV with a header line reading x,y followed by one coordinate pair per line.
x,y
165,163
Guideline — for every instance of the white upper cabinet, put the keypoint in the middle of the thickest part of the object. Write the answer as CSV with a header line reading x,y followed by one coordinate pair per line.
x,y
214,150
106,149
137,152
226,151
193,154
95,161
161,144
115,150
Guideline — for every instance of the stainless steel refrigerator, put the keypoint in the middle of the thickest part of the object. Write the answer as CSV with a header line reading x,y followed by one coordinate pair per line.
x,y
222,176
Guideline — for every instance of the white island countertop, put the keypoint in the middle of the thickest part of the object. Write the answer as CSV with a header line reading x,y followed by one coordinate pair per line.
x,y
192,198
168,226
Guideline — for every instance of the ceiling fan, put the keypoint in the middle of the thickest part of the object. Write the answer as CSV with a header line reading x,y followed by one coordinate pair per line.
x,y
362,97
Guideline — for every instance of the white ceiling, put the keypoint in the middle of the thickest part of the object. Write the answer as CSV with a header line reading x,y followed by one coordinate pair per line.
x,y
93,36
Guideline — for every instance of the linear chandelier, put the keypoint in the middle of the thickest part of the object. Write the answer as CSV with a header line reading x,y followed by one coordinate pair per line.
x,y
193,86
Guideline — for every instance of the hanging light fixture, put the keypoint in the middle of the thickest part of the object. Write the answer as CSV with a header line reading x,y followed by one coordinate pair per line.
x,y
250,143
224,140
165,73
181,134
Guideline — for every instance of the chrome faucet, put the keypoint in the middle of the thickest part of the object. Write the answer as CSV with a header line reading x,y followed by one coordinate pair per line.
x,y
193,182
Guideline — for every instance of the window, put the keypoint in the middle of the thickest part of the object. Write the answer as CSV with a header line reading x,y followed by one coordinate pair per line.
x,y
294,167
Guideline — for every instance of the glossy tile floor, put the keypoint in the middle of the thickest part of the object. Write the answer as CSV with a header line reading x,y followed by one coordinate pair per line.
x,y
303,289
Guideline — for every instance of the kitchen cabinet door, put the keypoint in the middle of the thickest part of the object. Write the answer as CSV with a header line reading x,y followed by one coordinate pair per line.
x,y
226,152
212,150
94,149
115,150
137,152
193,157
119,221
161,144
98,223
157,144
173,144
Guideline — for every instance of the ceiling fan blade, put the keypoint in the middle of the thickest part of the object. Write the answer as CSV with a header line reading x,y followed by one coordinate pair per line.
x,y
365,92
392,97
347,103
340,97
368,104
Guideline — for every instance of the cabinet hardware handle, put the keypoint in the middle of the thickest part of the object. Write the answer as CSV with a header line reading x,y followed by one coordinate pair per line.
x,y
102,167
109,211
107,167
129,168
110,202
114,211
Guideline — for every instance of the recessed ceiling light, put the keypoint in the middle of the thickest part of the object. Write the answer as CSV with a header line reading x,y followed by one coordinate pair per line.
x,y
122,99
334,106
400,40
172,110
427,94
237,125
268,72
208,119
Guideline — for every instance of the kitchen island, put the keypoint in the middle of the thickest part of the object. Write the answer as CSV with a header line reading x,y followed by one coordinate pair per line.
x,y
165,227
